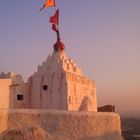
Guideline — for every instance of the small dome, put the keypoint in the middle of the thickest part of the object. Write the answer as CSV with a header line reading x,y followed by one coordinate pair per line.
x,y
59,46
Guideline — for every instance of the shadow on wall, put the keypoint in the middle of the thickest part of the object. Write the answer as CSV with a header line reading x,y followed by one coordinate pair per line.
x,y
12,97
17,91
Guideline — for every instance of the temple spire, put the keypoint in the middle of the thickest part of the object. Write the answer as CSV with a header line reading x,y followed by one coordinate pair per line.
x,y
58,46
54,20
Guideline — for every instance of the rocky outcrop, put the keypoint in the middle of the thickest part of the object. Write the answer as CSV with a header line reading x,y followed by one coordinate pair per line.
x,y
60,125
27,133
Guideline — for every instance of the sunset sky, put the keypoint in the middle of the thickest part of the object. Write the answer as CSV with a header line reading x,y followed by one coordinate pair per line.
x,y
101,36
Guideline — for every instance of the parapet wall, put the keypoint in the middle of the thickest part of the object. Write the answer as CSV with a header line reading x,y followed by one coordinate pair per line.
x,y
63,125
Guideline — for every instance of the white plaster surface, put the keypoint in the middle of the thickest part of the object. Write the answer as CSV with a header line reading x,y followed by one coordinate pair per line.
x,y
67,86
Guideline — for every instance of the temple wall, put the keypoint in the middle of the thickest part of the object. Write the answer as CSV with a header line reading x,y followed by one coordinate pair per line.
x,y
54,97
34,91
21,90
78,88
65,91
10,89
62,125
66,85
18,91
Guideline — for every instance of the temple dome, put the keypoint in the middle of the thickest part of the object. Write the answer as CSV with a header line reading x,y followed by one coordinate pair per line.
x,y
58,46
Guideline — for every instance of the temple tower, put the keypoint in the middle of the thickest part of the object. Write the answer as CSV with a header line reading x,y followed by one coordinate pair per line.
x,y
60,84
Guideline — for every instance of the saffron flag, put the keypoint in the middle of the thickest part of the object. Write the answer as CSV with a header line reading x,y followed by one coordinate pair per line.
x,y
55,18
54,28
48,3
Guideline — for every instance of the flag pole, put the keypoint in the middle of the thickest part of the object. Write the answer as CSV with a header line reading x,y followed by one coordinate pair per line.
x,y
57,32
55,6
55,21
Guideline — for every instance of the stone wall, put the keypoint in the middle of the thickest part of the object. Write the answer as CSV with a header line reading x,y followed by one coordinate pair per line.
x,y
61,125
12,87
3,120
55,94
50,74
80,87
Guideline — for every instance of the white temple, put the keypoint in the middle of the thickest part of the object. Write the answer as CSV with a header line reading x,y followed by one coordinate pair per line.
x,y
57,84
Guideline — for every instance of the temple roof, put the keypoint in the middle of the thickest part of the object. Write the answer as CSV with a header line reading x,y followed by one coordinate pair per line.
x,y
59,62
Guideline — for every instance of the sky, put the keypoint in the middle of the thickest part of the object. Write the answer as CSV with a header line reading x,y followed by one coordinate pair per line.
x,y
101,36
